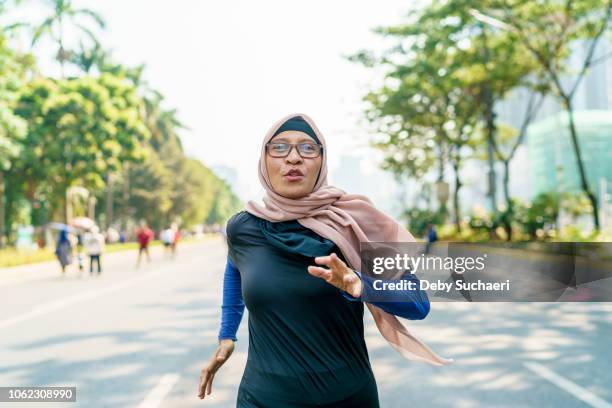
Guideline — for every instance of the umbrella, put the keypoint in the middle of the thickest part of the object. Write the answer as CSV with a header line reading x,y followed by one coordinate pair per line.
x,y
82,222
60,226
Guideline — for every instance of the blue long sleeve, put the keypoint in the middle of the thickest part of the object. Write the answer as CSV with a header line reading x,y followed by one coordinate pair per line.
x,y
409,304
232,308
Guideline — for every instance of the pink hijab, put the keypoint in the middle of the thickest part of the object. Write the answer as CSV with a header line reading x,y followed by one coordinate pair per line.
x,y
347,220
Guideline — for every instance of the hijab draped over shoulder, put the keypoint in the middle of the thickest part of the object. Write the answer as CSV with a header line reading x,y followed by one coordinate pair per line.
x,y
347,220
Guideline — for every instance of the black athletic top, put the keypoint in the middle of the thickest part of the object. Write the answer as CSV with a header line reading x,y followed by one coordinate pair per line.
x,y
306,340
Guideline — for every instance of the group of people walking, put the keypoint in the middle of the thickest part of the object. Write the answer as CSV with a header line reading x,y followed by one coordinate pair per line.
x,y
70,247
74,244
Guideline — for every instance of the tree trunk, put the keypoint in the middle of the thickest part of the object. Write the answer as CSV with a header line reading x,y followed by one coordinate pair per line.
x,y
458,185
441,162
109,200
8,208
490,157
67,204
61,46
581,171
490,123
507,219
2,212
126,196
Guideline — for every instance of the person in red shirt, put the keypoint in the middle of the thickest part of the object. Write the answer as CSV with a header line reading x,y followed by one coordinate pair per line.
x,y
177,236
144,236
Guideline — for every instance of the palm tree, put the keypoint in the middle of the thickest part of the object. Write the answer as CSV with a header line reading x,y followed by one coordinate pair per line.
x,y
54,26
163,123
88,58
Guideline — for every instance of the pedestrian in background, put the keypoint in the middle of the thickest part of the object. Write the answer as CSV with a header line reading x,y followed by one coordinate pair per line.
x,y
176,235
432,236
63,250
167,239
94,246
77,242
144,236
112,235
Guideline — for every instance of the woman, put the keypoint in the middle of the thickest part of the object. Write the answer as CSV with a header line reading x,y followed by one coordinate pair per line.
x,y
94,244
306,341
63,250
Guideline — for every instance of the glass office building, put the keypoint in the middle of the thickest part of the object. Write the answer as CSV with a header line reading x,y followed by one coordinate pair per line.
x,y
552,160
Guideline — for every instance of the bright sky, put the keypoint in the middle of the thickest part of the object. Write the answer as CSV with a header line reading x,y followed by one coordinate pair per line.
x,y
232,68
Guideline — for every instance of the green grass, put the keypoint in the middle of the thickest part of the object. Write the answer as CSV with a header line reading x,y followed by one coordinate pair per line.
x,y
14,257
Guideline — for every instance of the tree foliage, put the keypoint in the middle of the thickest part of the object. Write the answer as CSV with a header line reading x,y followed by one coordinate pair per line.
x,y
448,65
106,130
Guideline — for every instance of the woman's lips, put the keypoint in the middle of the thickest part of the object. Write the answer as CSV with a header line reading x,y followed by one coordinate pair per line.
x,y
293,178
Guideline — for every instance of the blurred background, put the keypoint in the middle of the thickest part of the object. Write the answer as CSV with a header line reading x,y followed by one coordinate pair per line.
x,y
142,121
491,120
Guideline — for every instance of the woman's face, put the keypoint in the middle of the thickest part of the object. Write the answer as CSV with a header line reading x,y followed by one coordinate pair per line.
x,y
293,176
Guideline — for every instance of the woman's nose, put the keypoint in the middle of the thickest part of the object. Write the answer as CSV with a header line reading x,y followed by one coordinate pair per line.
x,y
293,156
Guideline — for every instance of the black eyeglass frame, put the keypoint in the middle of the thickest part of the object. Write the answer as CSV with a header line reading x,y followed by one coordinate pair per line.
x,y
298,150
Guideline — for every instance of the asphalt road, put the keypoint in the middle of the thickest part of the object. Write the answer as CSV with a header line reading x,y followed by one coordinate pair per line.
x,y
139,337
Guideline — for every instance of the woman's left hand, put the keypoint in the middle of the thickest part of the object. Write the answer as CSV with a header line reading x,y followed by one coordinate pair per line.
x,y
338,274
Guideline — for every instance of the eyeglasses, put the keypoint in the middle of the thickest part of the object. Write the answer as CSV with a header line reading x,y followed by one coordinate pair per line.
x,y
283,149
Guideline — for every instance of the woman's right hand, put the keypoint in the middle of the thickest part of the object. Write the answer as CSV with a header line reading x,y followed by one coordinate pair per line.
x,y
220,356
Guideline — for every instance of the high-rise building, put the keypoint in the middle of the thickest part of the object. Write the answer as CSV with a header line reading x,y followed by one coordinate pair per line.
x,y
352,176
553,164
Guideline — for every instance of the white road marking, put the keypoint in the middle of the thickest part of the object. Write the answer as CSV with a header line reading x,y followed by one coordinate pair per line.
x,y
156,395
71,300
568,386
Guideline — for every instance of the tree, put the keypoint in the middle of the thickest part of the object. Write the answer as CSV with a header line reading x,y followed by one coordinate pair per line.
x,y
439,87
107,131
54,26
86,59
150,195
79,130
549,29
506,155
163,123
225,204
13,67
542,211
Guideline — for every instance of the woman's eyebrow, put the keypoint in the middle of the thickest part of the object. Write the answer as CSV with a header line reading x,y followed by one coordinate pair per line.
x,y
300,140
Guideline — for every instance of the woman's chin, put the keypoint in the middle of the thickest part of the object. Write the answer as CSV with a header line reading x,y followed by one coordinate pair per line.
x,y
293,191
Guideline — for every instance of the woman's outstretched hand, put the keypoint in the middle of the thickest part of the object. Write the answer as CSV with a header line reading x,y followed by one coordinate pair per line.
x,y
220,356
338,274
